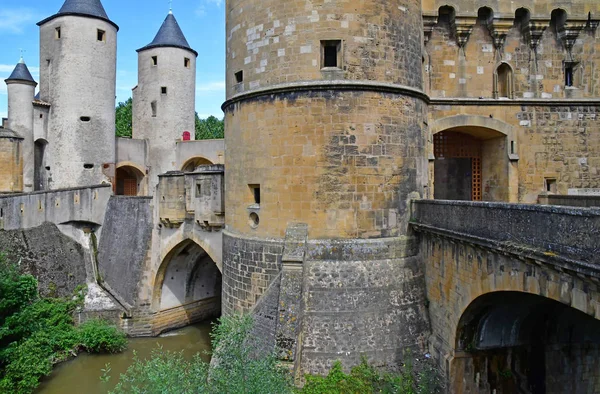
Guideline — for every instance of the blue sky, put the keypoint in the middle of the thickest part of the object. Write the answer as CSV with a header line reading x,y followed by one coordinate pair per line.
x,y
202,22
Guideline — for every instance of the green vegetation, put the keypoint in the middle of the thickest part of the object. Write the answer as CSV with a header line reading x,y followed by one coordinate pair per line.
x,y
237,369
209,128
36,333
124,119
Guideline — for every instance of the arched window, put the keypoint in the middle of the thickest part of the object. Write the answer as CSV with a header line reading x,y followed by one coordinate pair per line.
x,y
503,82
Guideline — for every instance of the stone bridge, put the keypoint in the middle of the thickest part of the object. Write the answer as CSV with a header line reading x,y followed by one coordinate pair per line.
x,y
513,295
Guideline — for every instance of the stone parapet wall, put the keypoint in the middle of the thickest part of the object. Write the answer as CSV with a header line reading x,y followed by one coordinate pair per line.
x,y
571,201
85,204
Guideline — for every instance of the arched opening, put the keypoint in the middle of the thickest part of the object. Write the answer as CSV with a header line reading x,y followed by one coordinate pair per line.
x,y
40,180
191,164
558,19
188,287
503,81
470,164
485,16
511,342
128,181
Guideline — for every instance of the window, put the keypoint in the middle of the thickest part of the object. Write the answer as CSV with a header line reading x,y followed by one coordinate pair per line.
x,y
153,108
186,62
155,60
41,116
85,118
331,51
163,90
503,80
550,185
198,190
255,189
57,33
239,77
88,166
569,76
101,35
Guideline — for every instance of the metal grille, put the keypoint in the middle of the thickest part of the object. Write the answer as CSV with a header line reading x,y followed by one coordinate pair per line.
x,y
451,144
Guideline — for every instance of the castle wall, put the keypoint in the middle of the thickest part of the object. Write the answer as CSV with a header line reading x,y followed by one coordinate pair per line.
x,y
20,120
11,165
78,74
173,111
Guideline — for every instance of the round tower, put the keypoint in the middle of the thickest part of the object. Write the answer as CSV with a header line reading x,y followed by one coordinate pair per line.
x,y
325,124
165,98
78,61
21,90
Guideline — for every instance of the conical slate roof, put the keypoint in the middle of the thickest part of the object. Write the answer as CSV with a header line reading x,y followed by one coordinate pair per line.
x,y
21,73
89,8
169,35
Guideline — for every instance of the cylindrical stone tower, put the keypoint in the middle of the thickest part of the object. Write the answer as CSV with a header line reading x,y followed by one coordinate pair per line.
x,y
78,61
164,100
325,125
21,90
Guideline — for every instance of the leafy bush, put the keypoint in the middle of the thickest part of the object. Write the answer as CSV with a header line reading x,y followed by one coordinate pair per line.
x,y
235,368
36,333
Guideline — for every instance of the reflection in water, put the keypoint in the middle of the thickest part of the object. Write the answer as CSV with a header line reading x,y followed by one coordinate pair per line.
x,y
82,375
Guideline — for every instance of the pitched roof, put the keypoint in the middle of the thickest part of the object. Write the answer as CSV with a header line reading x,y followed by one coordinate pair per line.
x,y
8,133
89,8
169,35
21,73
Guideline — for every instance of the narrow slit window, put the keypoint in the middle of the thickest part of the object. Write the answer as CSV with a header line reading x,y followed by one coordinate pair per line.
x,y
85,118
198,190
155,60
239,77
512,147
186,62
153,108
255,189
331,53
569,76
88,166
163,90
550,185
57,33
101,35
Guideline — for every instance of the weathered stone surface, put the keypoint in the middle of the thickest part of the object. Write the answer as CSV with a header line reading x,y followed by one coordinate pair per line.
x,y
57,261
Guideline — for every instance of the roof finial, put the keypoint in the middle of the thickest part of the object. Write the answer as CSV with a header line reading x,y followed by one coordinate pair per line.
x,y
170,6
21,60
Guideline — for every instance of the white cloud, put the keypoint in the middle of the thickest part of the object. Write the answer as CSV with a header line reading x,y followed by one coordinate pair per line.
x,y
15,20
201,9
216,86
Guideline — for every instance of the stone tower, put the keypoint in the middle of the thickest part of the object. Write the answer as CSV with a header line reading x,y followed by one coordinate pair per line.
x,y
325,126
21,90
165,97
78,56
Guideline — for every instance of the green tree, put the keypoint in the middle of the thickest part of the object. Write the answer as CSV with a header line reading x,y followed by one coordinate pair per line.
x,y
124,118
209,128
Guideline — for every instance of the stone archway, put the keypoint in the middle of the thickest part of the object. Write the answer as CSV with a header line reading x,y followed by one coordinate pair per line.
x,y
191,164
187,288
129,181
473,159
510,341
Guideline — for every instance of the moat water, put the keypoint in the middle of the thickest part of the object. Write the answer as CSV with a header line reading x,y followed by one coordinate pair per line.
x,y
82,374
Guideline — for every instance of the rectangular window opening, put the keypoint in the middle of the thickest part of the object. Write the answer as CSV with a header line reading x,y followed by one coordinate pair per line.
x,y
550,185
57,33
569,76
255,189
153,107
186,62
331,53
155,60
512,147
101,35
239,77
163,90
198,190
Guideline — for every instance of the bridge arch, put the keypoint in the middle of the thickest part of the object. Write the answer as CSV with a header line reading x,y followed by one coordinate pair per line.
x,y
187,287
473,159
510,342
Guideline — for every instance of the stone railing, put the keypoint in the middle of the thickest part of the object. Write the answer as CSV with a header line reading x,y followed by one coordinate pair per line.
x,y
570,201
28,210
562,236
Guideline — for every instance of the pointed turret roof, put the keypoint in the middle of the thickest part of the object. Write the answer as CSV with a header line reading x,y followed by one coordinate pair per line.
x,y
169,35
89,8
21,74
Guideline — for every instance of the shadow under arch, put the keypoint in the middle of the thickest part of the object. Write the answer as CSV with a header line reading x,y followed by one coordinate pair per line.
x,y
187,287
511,341
129,179
192,163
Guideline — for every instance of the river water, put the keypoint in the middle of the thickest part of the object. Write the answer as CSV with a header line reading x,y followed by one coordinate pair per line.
x,y
82,374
